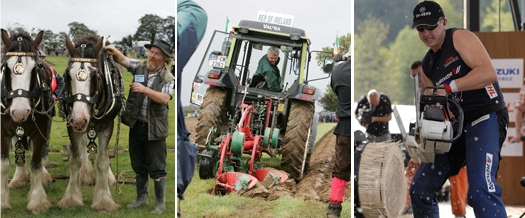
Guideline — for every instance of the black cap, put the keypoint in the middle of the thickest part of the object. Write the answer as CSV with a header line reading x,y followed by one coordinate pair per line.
x,y
162,45
427,13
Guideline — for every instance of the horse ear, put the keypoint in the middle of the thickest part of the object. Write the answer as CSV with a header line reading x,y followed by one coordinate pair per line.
x,y
38,39
5,39
70,47
99,45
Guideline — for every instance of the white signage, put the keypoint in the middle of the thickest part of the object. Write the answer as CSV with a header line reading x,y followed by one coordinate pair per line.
x,y
511,148
511,99
509,71
275,18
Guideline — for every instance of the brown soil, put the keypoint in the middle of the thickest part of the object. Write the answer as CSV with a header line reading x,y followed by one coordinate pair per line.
x,y
316,183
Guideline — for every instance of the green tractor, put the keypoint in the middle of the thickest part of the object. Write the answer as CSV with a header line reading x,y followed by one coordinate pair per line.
x,y
224,85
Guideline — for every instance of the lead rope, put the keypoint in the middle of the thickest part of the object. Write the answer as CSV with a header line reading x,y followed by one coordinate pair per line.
x,y
120,87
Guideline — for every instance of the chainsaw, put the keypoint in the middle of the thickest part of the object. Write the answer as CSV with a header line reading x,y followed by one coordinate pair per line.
x,y
435,127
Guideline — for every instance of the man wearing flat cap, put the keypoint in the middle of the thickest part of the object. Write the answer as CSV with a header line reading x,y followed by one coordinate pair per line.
x,y
146,115
458,62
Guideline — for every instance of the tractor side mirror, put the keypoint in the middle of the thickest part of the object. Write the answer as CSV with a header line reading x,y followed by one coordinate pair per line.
x,y
328,64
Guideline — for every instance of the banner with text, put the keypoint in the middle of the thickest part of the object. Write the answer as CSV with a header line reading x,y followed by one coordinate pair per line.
x,y
275,18
509,71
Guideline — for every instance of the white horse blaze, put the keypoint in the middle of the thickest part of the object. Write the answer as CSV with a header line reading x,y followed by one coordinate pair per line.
x,y
80,113
20,107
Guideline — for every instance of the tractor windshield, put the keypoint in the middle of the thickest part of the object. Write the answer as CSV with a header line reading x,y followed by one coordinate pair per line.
x,y
240,56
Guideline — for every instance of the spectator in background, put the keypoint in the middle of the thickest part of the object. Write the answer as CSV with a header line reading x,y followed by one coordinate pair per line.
x,y
520,118
374,111
57,86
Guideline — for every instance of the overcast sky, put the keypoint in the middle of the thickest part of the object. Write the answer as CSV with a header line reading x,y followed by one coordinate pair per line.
x,y
321,20
117,18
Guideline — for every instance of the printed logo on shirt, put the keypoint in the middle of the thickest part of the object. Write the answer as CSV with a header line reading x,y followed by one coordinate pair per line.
x,y
491,91
454,71
450,60
488,169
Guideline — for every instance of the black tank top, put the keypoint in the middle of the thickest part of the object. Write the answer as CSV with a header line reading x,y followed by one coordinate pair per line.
x,y
446,65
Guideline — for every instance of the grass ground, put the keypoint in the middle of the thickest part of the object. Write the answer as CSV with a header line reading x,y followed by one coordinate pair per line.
x,y
123,194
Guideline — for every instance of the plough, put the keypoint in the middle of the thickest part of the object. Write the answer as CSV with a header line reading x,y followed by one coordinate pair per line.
x,y
231,175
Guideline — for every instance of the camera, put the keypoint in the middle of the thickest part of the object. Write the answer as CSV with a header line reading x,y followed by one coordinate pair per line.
x,y
364,115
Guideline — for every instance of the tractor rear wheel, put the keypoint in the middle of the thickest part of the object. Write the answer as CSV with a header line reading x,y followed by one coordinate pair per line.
x,y
298,124
213,113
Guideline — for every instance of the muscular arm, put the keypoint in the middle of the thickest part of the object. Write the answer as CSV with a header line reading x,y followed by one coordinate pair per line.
x,y
476,57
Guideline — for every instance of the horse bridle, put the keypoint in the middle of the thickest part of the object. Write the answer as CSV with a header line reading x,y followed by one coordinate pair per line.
x,y
39,87
81,76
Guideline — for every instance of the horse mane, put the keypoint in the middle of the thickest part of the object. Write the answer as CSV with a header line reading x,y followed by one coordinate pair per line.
x,y
26,44
90,41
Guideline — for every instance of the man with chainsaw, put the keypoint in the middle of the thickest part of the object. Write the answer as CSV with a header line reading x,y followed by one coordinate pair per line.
x,y
458,183
146,115
374,111
458,62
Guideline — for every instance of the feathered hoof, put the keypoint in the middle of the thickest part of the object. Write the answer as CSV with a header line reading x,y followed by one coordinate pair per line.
x,y
111,179
38,206
46,179
5,205
67,203
18,183
105,205
86,180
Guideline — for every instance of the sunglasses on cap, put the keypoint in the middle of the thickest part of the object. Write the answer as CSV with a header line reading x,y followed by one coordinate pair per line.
x,y
421,28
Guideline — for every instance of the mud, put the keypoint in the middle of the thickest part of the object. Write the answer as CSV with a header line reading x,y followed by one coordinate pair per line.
x,y
316,182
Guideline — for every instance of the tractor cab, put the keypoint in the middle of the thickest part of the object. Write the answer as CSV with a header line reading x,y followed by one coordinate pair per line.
x,y
231,60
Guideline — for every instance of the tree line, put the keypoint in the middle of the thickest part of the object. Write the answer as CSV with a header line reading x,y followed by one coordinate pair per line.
x,y
385,44
151,27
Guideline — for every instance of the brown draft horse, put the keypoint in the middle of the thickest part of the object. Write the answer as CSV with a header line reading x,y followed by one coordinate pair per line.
x,y
25,112
91,101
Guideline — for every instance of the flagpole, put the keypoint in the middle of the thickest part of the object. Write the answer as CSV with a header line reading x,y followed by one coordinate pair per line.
x,y
227,24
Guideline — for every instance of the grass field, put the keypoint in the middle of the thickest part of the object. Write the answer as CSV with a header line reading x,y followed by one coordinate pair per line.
x,y
123,194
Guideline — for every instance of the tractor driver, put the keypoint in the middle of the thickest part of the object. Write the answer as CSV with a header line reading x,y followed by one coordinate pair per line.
x,y
268,72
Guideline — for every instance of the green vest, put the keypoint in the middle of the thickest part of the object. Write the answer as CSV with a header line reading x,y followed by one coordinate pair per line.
x,y
157,114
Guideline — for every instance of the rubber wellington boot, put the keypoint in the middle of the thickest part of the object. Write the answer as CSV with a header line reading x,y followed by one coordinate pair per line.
x,y
142,192
160,188
334,211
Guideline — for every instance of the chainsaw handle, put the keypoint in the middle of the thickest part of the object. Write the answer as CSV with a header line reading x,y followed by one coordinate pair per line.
x,y
461,117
